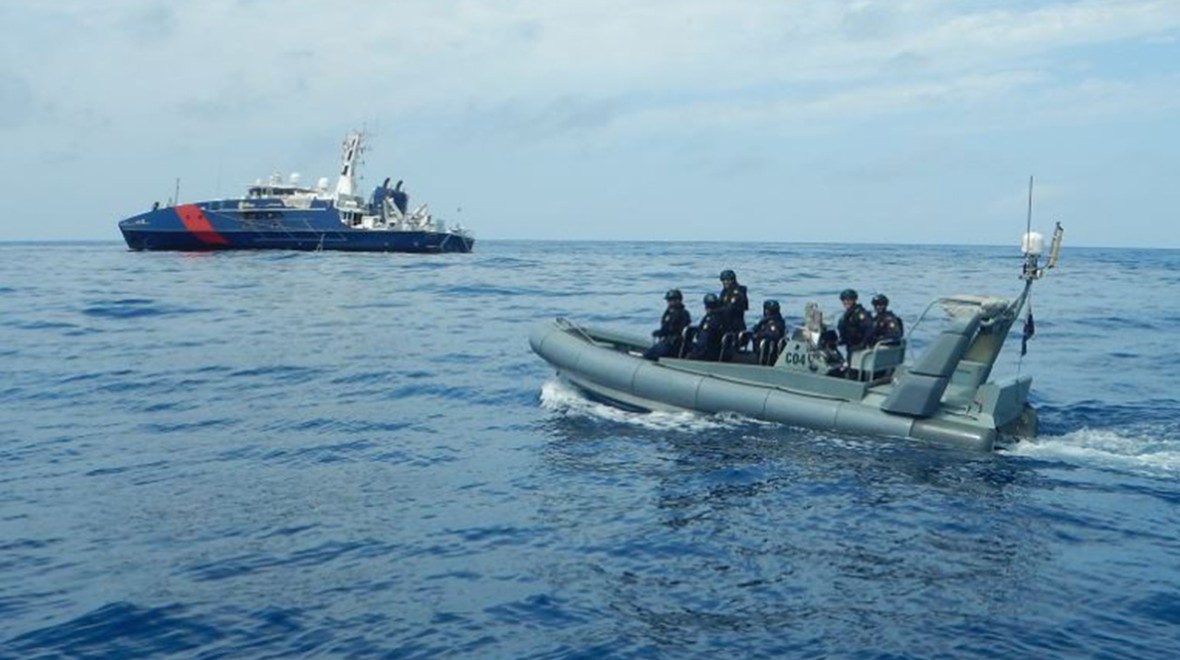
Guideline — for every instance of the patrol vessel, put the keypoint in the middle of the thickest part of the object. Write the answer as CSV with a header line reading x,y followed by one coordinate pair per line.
x,y
283,214
944,395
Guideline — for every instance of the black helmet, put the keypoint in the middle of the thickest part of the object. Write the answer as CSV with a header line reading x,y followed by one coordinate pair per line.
x,y
881,299
771,305
848,294
728,274
711,300
673,294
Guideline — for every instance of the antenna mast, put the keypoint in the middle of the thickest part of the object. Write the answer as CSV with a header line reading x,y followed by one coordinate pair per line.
x,y
1028,224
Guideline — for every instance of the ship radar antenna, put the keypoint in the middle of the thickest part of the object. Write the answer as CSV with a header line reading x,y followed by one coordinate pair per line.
x,y
1032,245
1028,220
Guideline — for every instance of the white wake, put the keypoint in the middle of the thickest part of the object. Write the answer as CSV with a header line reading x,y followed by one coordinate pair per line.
x,y
1143,450
560,397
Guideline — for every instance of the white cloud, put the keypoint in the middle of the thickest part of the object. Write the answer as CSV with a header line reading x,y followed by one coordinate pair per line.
x,y
222,55
135,82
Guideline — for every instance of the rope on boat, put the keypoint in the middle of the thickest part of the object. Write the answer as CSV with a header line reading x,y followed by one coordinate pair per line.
x,y
569,326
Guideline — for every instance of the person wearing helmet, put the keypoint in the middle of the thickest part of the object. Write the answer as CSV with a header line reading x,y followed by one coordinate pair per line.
x,y
669,336
771,326
854,325
768,331
706,344
887,327
734,302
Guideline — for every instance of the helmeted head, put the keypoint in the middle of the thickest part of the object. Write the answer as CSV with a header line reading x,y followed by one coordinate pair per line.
x,y
673,295
711,300
881,300
728,276
848,294
770,307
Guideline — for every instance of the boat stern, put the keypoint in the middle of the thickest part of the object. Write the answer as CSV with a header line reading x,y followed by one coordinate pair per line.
x,y
1006,402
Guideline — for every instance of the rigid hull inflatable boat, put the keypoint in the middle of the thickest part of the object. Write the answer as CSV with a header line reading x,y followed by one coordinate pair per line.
x,y
944,396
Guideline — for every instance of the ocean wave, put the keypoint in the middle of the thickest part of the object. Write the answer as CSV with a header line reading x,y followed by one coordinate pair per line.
x,y
252,563
1159,413
280,373
509,263
131,308
358,455
119,629
41,325
1146,449
490,290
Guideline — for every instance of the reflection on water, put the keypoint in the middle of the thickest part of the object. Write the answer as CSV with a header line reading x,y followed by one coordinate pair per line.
x,y
297,455
727,530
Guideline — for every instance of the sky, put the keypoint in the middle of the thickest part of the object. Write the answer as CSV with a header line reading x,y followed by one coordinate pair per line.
x,y
855,121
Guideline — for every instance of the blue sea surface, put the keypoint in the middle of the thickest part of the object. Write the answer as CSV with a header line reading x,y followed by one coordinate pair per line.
x,y
283,454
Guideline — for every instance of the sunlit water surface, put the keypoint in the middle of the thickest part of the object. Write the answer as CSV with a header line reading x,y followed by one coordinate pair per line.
x,y
348,455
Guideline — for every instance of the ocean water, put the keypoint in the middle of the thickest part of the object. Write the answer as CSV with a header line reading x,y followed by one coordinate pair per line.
x,y
347,455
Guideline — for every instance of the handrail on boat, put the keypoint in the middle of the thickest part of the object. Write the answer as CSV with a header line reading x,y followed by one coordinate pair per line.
x,y
569,326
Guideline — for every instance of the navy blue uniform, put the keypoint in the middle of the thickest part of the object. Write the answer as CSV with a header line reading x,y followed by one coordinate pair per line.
x,y
854,327
670,333
886,327
772,327
707,344
734,304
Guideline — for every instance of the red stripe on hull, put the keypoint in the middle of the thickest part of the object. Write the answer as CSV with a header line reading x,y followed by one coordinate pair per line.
x,y
195,221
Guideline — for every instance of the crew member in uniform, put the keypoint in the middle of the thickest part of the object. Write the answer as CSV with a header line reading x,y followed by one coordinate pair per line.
x,y
771,328
886,325
707,343
669,336
734,302
855,325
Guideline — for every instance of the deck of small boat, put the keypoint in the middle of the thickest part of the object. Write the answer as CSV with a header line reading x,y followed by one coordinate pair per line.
x,y
740,367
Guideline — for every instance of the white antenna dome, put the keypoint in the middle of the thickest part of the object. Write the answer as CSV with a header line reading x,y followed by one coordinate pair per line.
x,y
294,178
1033,243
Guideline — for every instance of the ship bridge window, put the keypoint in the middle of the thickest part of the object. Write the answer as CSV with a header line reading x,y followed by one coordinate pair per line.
x,y
261,215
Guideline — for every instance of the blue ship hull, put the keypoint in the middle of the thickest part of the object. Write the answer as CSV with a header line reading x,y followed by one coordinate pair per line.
x,y
230,225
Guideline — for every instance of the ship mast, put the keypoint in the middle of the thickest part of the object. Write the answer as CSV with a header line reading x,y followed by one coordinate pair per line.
x,y
345,185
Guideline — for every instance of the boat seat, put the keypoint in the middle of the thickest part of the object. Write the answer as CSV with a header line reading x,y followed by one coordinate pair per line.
x,y
729,346
768,350
686,338
879,361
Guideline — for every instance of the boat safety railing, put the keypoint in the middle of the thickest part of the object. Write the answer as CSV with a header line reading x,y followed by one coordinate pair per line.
x,y
569,326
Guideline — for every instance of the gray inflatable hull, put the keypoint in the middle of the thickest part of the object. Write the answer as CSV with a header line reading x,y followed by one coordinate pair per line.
x,y
606,366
